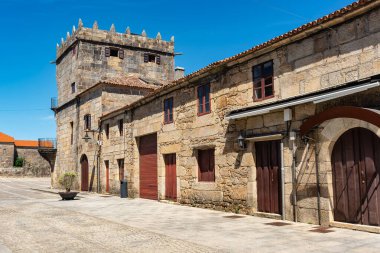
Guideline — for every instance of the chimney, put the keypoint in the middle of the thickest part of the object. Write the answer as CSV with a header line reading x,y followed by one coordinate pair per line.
x,y
179,72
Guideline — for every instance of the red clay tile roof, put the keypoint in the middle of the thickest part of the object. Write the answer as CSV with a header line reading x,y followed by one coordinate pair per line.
x,y
26,143
130,81
6,138
314,24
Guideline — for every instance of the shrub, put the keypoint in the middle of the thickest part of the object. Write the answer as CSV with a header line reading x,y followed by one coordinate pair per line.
x,y
19,162
67,180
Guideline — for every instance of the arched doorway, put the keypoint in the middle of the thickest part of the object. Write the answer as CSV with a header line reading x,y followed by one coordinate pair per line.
x,y
355,164
84,173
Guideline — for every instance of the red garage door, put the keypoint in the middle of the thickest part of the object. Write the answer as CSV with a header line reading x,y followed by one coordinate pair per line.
x,y
148,166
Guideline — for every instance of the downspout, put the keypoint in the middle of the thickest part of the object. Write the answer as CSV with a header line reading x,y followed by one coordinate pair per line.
x,y
318,185
294,182
99,145
282,181
77,134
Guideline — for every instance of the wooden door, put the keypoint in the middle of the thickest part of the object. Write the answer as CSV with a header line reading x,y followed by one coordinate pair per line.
x,y
268,176
84,173
356,168
148,167
170,177
107,164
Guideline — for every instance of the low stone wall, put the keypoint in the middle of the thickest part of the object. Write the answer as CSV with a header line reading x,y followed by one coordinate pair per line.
x,y
27,171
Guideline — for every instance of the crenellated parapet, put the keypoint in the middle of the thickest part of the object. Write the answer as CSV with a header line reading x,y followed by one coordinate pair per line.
x,y
111,37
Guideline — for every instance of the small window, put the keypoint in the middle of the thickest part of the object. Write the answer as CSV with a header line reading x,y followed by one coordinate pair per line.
x,y
87,122
71,132
263,80
120,125
107,131
206,165
204,105
114,52
152,58
73,88
168,110
120,164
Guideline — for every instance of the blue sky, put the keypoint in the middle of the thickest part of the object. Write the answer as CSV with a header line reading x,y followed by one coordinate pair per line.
x,y
205,31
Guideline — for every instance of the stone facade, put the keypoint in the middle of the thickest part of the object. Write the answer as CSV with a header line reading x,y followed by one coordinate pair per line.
x,y
7,151
82,62
320,59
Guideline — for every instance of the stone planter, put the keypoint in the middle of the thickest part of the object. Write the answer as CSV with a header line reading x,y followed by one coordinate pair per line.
x,y
68,195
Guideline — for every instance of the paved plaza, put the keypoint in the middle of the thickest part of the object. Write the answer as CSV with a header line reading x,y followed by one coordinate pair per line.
x,y
33,219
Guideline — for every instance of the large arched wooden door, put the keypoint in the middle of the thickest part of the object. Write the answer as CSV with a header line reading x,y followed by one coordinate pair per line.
x,y
84,173
356,169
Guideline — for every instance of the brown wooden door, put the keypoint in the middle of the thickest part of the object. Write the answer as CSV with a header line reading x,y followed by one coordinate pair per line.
x,y
84,173
268,166
148,166
356,168
107,164
170,177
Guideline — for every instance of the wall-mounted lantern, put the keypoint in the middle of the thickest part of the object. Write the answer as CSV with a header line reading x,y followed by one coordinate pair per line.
x,y
241,141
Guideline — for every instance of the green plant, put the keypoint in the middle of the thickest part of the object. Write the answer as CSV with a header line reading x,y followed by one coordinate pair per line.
x,y
67,180
19,162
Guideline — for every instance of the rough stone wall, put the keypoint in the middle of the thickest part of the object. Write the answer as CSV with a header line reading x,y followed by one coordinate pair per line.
x,y
81,59
34,163
114,97
339,55
66,151
7,153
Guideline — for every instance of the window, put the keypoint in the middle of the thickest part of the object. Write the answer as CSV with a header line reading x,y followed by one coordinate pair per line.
x,y
120,125
206,165
107,131
203,92
152,58
168,110
120,164
87,122
263,80
114,52
72,132
73,88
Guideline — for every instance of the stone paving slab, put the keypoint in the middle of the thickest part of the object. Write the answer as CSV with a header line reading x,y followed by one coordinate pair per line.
x,y
36,221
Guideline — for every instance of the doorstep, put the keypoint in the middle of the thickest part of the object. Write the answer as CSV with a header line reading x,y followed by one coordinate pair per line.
x,y
364,228
268,215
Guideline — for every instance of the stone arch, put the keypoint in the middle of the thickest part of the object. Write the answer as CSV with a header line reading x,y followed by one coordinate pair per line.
x,y
328,133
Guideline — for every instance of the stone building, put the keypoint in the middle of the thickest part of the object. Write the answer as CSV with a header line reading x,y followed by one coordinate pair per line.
x,y
286,129
33,162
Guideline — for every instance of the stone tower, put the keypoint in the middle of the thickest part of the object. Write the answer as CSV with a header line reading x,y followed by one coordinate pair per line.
x,y
89,54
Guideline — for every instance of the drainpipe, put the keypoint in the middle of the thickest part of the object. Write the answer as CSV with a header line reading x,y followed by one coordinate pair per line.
x,y
282,180
317,174
294,183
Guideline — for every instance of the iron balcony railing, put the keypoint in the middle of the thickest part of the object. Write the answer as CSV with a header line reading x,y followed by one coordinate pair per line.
x,y
53,103
47,143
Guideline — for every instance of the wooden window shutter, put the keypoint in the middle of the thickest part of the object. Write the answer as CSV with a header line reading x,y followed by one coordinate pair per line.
x,y
108,52
158,59
121,54
146,57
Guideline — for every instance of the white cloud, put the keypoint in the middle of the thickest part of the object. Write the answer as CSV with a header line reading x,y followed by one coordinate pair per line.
x,y
50,117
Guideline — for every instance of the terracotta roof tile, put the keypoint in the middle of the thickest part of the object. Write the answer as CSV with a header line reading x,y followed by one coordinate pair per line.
x,y
26,143
130,81
6,138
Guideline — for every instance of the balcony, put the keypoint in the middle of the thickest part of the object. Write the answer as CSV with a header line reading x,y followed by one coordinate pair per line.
x,y
47,143
53,104
47,147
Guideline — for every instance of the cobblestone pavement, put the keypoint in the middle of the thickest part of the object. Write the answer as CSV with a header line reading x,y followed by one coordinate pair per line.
x,y
32,219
